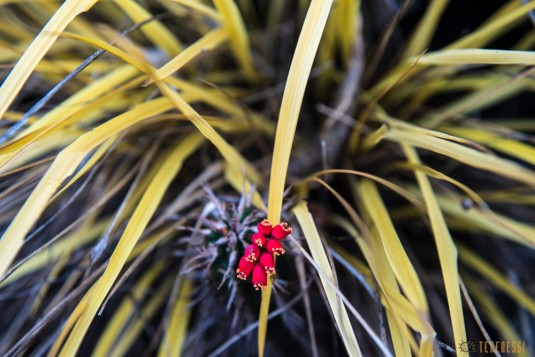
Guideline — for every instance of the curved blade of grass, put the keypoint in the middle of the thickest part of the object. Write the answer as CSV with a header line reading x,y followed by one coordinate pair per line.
x,y
497,279
396,260
399,309
239,39
401,265
447,252
392,298
468,156
439,175
307,46
176,330
208,96
137,224
155,31
62,167
38,48
320,257
229,152
489,222
206,43
231,155
292,100
496,141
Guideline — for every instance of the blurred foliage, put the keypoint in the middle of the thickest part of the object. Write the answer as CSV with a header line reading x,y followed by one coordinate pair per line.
x,y
141,141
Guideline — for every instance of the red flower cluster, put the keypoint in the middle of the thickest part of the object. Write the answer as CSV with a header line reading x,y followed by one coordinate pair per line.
x,y
258,256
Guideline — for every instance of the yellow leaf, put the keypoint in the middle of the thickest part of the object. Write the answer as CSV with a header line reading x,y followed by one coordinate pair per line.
x,y
401,265
320,257
137,224
38,49
307,46
447,252
206,43
176,330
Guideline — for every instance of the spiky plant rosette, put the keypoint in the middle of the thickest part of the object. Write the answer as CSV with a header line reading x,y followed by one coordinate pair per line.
x,y
143,143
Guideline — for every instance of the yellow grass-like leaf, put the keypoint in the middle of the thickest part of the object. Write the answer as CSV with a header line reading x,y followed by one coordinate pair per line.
x,y
496,141
292,99
489,222
426,28
155,31
494,313
137,224
126,309
206,43
175,333
477,56
447,252
401,265
80,237
383,272
399,310
320,257
38,49
347,26
239,39
387,272
497,279
231,155
466,155
97,155
494,28
438,175
242,185
214,98
78,310
130,336
199,7
496,92
64,165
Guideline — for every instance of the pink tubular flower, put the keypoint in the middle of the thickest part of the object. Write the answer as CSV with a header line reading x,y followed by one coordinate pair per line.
x,y
259,239
273,246
281,231
259,277
252,252
267,262
244,268
265,227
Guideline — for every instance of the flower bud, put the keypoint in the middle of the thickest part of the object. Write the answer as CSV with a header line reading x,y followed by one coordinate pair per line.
x,y
265,227
252,252
281,231
273,246
267,262
259,277
244,268
259,239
